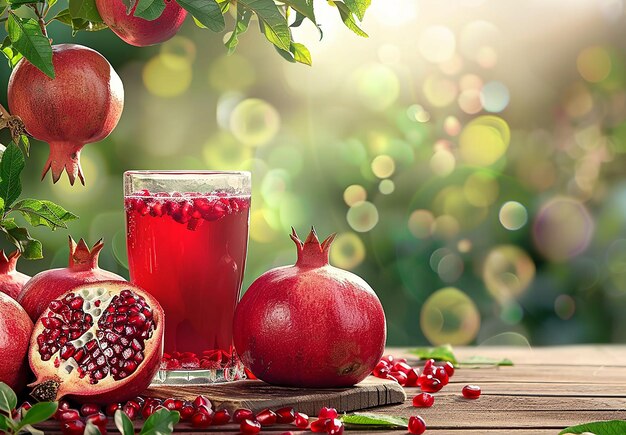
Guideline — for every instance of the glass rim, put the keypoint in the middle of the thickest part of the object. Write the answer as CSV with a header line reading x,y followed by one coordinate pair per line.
x,y
176,172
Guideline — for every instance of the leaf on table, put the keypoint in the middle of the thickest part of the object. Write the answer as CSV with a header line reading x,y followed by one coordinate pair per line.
x,y
372,419
30,248
358,7
439,353
11,166
85,9
348,19
241,26
162,422
8,399
12,55
91,429
123,423
208,12
273,24
149,9
483,360
27,38
43,213
39,412
612,427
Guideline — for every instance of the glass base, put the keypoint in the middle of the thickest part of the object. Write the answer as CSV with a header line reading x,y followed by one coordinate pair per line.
x,y
199,377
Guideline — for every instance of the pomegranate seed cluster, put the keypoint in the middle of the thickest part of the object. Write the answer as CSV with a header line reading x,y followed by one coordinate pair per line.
x,y
96,334
189,208
208,359
431,379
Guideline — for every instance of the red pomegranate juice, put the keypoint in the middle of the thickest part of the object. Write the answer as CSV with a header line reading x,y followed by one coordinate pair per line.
x,y
189,251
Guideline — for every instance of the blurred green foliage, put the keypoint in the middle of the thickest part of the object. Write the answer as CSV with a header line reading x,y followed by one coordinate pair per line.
x,y
471,162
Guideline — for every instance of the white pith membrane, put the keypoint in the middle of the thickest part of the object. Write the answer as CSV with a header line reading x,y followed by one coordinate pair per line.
x,y
109,327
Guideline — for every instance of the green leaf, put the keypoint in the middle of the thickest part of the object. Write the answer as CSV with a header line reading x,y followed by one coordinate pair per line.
x,y
612,427
358,7
85,9
303,7
439,353
39,412
30,248
17,3
43,213
31,430
11,167
160,423
274,24
27,38
149,9
372,419
241,25
3,6
12,55
301,53
123,423
482,360
208,12
348,19
91,429
26,143
4,423
8,399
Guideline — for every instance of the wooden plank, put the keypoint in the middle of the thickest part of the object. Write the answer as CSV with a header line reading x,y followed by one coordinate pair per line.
x,y
562,374
257,395
574,389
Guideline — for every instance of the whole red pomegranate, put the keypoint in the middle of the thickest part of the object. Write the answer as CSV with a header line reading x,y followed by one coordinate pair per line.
x,y
99,343
50,284
11,281
15,330
311,324
137,31
82,104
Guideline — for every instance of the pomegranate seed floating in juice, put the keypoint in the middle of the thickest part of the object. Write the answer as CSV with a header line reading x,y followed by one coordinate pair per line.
x,y
187,235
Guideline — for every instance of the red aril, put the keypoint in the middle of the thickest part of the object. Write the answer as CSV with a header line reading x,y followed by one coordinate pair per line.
x,y
319,425
203,401
471,391
342,346
449,368
200,419
99,420
441,374
111,408
131,411
14,323
428,365
99,342
242,414
187,411
138,31
221,417
334,426
89,409
68,415
417,425
412,378
11,281
286,415
50,284
267,417
424,400
81,105
250,426
74,427
401,367
400,377
301,421
430,384
326,412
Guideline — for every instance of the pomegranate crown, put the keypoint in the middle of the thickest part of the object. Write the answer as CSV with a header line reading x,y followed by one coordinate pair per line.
x,y
7,264
83,258
312,253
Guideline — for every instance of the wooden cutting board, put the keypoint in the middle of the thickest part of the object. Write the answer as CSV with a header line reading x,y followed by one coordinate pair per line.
x,y
257,395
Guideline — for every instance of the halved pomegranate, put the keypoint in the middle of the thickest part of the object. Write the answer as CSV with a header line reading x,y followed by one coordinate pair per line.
x,y
100,342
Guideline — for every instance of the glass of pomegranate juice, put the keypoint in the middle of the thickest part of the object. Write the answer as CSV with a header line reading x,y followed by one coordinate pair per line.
x,y
187,236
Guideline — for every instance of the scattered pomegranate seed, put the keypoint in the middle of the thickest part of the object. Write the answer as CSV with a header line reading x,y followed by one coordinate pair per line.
x,y
205,410
242,414
221,417
202,400
286,415
400,377
73,427
401,367
319,425
334,426
441,374
428,365
301,421
187,411
327,413
137,404
389,359
99,420
449,368
423,400
430,384
200,419
68,415
471,391
417,425
250,426
170,404
111,408
130,411
267,417
89,409
412,378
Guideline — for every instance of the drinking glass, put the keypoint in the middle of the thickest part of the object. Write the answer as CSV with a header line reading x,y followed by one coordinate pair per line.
x,y
187,237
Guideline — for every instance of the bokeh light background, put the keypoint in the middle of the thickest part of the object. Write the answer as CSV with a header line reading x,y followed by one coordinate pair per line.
x,y
470,154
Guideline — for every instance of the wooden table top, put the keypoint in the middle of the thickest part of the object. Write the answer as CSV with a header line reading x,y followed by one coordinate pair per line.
x,y
545,391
